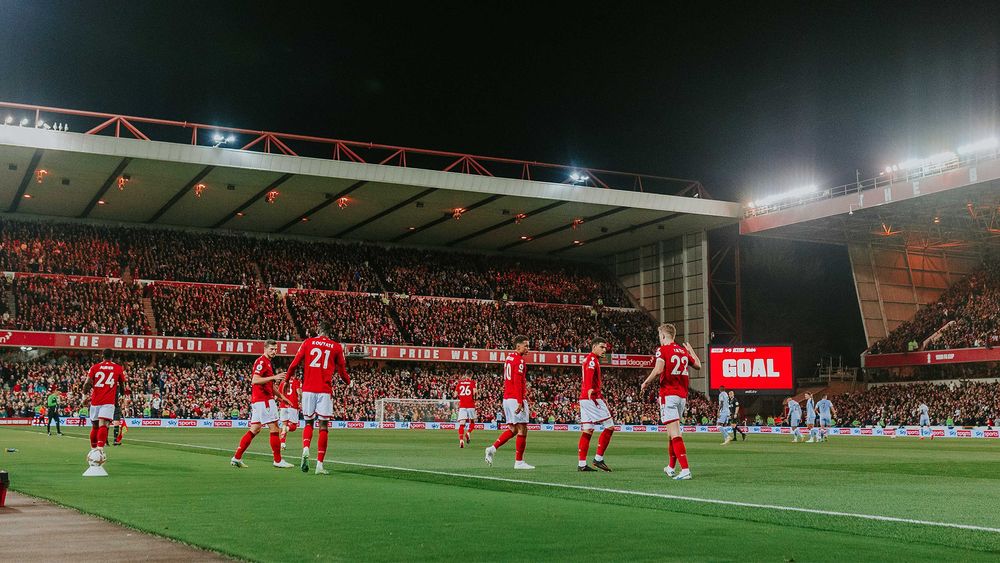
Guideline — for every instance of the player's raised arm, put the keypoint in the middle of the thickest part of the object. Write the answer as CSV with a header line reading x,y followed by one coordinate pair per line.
x,y
341,365
695,360
654,373
295,361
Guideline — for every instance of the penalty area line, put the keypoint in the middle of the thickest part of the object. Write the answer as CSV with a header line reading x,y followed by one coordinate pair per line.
x,y
701,500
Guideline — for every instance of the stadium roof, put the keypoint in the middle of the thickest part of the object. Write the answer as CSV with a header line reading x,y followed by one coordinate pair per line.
x,y
954,206
99,176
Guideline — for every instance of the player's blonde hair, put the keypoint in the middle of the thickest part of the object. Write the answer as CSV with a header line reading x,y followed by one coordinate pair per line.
x,y
668,329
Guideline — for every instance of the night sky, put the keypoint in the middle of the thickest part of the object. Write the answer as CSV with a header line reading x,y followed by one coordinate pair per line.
x,y
749,98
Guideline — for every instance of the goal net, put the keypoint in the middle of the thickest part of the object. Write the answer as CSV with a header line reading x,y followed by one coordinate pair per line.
x,y
415,410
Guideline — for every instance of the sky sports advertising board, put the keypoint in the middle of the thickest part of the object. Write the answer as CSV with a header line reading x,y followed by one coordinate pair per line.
x,y
751,369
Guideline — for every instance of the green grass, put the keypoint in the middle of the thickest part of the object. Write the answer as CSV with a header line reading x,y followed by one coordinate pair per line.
x,y
189,492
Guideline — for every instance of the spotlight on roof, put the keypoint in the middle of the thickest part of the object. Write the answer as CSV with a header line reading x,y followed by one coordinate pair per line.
x,y
24,122
219,139
8,120
578,178
798,193
982,146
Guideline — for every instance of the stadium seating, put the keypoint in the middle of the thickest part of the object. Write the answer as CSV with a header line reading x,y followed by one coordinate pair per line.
x,y
355,318
970,403
966,311
220,312
219,388
61,304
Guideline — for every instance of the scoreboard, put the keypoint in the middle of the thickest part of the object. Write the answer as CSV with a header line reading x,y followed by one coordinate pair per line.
x,y
751,368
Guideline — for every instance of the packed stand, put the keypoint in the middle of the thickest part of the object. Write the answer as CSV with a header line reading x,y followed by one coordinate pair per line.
x,y
501,278
354,318
219,387
64,305
59,248
220,312
969,403
970,305
168,255
339,267
491,324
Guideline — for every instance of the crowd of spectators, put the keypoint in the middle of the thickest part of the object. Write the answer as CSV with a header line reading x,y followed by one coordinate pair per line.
x,y
302,265
60,304
491,324
220,312
219,387
967,312
240,259
59,248
502,278
354,318
968,403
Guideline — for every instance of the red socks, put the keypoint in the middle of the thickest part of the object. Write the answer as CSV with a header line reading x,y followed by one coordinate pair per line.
x,y
244,444
276,446
307,435
519,448
321,450
504,437
102,436
603,441
673,456
461,432
468,431
680,451
93,436
584,446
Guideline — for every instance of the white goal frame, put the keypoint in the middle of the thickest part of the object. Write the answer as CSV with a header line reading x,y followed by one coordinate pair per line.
x,y
380,405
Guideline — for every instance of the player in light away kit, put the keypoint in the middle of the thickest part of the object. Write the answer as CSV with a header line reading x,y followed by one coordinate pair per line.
x,y
515,406
593,409
288,415
465,388
811,417
723,421
925,420
263,407
320,357
671,368
794,418
826,412
103,379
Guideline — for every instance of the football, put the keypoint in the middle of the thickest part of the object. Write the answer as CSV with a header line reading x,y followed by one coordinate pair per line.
x,y
96,458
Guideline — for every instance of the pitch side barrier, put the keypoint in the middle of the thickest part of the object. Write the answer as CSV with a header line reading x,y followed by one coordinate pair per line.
x,y
877,431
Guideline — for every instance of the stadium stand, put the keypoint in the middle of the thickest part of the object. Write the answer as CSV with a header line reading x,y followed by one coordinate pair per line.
x,y
966,315
62,304
220,311
969,403
355,318
218,387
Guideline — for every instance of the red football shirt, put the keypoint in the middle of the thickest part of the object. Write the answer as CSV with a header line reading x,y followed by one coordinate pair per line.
x,y
674,379
324,356
105,376
466,391
591,377
290,390
514,377
262,392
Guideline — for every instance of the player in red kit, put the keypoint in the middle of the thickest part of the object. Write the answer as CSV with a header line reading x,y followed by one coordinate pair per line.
x,y
465,388
288,415
103,381
671,368
263,407
593,410
515,405
320,357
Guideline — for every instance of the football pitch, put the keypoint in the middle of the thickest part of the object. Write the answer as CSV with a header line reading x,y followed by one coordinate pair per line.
x,y
413,495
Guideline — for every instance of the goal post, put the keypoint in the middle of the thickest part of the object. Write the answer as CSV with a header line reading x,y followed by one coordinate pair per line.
x,y
415,410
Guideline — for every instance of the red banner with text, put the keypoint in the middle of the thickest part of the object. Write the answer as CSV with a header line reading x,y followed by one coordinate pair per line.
x,y
187,345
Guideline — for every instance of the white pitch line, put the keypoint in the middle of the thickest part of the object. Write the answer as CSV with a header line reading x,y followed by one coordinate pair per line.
x,y
874,517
